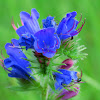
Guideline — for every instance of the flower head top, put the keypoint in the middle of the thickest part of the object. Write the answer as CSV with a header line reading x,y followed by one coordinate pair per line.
x,y
46,40
48,22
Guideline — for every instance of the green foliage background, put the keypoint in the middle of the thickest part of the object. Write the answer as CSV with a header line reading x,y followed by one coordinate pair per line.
x,y
90,36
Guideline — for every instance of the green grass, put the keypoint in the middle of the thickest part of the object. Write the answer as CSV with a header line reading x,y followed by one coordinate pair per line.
x,y
90,36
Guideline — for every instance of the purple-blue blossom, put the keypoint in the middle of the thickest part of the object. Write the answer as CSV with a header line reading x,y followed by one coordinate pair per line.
x,y
29,27
67,26
17,61
65,77
48,22
46,42
30,23
27,40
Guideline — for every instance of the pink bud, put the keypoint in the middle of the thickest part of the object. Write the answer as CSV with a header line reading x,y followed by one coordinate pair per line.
x,y
68,94
69,63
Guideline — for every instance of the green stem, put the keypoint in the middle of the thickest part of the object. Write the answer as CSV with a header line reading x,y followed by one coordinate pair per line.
x,y
45,93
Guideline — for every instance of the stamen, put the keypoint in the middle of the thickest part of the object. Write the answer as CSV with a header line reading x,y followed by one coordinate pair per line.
x,y
64,41
75,83
52,51
78,30
17,47
2,55
66,45
2,64
56,40
38,46
13,25
63,34
5,67
72,26
1,60
78,82
71,48
44,44
79,20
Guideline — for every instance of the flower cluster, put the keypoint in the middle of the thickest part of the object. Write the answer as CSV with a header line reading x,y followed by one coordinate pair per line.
x,y
45,45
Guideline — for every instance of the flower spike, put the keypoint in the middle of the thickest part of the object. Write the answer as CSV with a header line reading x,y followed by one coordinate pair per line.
x,y
45,56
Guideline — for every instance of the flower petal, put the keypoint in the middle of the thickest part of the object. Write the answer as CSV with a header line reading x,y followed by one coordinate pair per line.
x,y
48,22
16,55
46,42
67,26
27,40
21,30
30,22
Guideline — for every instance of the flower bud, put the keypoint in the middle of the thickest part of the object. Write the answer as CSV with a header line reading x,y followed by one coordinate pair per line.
x,y
67,94
69,63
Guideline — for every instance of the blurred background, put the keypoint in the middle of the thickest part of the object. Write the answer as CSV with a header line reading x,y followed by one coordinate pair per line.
x,y
90,37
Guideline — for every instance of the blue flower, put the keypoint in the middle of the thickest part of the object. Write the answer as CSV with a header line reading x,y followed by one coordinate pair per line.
x,y
46,42
64,78
29,28
48,22
27,40
67,26
31,24
16,61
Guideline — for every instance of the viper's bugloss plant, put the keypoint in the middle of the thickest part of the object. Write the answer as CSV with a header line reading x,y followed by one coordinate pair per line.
x,y
44,59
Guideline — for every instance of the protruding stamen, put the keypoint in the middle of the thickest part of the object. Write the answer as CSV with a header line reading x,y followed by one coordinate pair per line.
x,y
74,84
66,45
2,55
13,25
56,40
4,67
79,20
17,47
1,60
72,26
78,30
64,41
